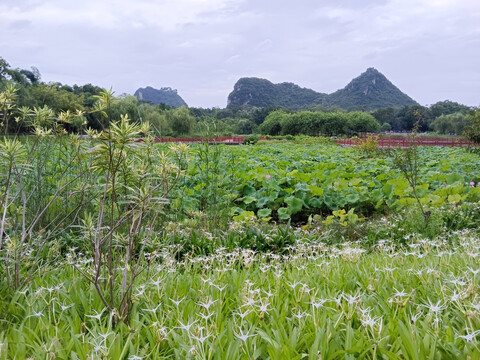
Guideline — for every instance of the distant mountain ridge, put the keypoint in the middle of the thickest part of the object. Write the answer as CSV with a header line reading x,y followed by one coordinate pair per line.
x,y
371,90
263,93
164,95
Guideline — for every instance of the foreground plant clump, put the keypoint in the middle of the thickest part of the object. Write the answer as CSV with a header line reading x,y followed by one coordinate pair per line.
x,y
314,301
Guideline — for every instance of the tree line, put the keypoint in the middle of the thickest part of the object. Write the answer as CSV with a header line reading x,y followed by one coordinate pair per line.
x,y
316,123
444,117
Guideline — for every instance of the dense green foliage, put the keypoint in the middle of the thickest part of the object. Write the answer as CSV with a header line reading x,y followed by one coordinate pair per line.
x,y
294,181
472,132
447,107
165,95
450,113
450,124
315,123
280,181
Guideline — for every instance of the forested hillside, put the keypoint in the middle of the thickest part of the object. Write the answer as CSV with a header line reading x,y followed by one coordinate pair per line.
x,y
262,93
371,90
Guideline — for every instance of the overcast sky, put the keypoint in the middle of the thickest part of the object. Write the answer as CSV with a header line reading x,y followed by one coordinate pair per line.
x,y
430,49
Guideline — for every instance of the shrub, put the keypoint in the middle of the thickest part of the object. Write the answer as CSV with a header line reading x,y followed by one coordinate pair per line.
x,y
370,145
251,140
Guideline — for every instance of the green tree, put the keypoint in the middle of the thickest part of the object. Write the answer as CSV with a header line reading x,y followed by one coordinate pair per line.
x,y
448,107
384,115
273,123
450,123
181,121
33,75
407,118
55,98
386,127
259,114
362,122
4,69
472,132
336,124
294,124
235,126
158,121
128,105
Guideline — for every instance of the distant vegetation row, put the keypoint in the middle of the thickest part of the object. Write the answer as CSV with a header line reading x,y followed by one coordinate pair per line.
x,y
24,98
315,123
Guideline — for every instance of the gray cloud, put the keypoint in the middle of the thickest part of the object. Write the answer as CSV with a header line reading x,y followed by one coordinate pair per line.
x,y
428,48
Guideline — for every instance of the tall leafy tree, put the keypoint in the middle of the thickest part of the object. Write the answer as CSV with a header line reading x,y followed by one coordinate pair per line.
x,y
181,121
450,124
472,132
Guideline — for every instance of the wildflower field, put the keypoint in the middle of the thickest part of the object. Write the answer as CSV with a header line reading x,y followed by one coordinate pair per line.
x,y
112,248
314,301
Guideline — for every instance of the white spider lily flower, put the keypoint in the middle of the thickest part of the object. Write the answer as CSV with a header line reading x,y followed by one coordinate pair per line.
x,y
35,314
243,314
177,302
201,338
98,315
435,308
264,308
243,336
65,307
153,310
368,321
208,304
294,284
268,293
206,316
414,317
469,337
186,326
219,288
300,314
473,271
456,296
318,303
